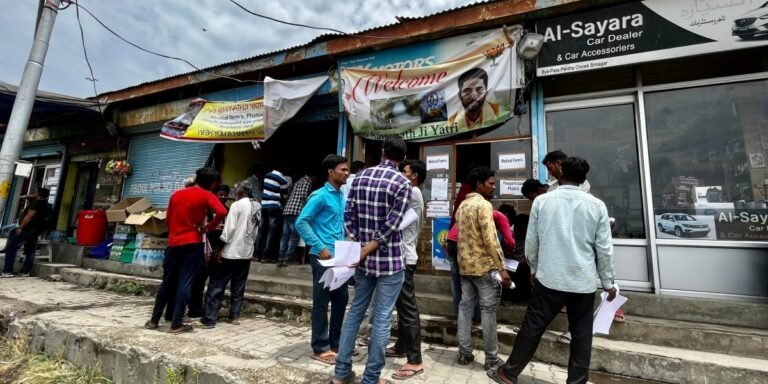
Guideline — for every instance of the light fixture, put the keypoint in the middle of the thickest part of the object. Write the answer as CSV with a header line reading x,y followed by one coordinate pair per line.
x,y
530,45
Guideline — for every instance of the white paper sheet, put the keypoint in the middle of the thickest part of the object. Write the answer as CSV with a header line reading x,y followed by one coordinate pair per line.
x,y
439,188
605,312
346,253
438,162
511,265
335,277
408,219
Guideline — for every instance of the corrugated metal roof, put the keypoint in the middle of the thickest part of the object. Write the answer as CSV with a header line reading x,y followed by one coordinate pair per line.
x,y
320,38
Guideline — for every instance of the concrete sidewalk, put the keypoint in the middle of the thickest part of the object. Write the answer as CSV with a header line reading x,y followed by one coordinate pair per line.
x,y
102,329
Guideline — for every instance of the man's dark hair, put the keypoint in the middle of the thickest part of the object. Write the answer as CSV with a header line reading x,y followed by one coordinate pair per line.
x,y
44,192
474,73
508,211
357,166
223,188
418,167
531,186
554,156
394,149
575,170
205,177
479,175
331,161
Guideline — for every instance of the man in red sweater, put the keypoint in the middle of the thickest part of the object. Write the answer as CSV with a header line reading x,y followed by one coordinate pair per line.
x,y
186,217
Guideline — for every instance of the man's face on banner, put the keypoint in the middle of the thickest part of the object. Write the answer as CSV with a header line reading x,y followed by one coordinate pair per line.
x,y
472,94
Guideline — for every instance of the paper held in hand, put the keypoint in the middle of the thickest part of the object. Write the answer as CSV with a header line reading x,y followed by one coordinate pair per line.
x,y
606,311
346,253
511,265
335,277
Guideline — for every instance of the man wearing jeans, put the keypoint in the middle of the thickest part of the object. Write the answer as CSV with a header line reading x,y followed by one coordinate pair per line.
x,y
31,225
293,207
275,189
376,206
480,258
320,224
569,248
186,216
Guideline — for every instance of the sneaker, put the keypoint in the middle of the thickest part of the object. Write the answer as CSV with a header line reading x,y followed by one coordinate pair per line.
x,y
204,325
493,364
233,321
151,325
465,359
6,274
182,329
282,264
24,274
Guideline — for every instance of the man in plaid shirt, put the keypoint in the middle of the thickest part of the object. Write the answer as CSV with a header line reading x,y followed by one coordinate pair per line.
x,y
296,201
375,208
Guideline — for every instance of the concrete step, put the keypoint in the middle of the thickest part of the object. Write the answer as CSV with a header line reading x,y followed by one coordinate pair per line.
x,y
44,269
636,359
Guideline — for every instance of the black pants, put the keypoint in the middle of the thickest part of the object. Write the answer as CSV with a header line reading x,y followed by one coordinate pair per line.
x,y
234,271
408,323
179,268
544,306
268,238
197,296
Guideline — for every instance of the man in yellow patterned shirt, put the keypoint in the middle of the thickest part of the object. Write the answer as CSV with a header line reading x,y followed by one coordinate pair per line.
x,y
481,267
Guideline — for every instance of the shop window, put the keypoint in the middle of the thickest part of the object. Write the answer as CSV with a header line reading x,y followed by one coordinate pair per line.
x,y
708,152
605,136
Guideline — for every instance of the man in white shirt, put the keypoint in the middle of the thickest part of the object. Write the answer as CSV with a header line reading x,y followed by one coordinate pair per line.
x,y
568,247
357,167
239,235
554,163
408,324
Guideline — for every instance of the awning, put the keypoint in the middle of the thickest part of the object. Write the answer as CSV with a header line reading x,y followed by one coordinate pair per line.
x,y
47,105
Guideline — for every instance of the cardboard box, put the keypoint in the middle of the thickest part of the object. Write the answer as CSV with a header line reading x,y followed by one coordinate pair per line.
x,y
152,242
120,211
152,224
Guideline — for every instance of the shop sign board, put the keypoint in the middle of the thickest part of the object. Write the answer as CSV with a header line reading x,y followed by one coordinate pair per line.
x,y
650,30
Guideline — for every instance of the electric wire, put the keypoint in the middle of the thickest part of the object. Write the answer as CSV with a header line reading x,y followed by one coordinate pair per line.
x,y
92,79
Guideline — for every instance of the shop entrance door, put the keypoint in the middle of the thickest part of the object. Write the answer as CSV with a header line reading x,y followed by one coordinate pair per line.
x,y
604,132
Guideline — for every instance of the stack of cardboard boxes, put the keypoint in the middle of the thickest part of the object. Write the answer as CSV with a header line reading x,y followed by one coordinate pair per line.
x,y
150,227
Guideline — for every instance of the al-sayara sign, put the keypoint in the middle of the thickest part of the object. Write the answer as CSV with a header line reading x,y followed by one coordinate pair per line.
x,y
647,31
422,103
222,122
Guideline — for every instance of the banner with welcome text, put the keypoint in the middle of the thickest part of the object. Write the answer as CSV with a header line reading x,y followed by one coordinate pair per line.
x,y
429,102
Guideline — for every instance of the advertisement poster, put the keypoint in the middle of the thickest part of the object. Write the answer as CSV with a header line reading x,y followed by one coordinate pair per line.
x,y
648,31
440,228
218,122
466,83
683,225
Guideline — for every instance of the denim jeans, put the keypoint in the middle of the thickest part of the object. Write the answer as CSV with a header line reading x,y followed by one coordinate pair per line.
x,y
29,240
323,336
268,231
234,271
179,269
290,237
385,289
487,291
451,254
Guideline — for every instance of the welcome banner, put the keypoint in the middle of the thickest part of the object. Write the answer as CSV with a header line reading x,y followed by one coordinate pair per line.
x,y
428,102
218,122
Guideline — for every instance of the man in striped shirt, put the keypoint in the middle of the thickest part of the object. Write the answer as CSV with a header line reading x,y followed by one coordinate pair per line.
x,y
376,205
293,207
275,189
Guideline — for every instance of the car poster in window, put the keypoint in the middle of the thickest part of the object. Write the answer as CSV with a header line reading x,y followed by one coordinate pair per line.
x,y
648,31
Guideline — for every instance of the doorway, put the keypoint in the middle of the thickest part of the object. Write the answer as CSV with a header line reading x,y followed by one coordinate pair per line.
x,y
85,188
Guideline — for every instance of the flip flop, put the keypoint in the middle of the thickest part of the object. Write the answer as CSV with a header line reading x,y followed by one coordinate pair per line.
x,y
391,352
406,377
324,357
494,375
355,352
619,316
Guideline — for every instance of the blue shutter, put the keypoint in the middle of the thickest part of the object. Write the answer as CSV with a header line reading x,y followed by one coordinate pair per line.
x,y
161,165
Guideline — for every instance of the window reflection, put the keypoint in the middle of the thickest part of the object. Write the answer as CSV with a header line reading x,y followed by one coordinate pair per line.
x,y
605,137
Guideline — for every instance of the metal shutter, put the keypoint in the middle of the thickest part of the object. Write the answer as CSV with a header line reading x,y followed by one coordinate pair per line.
x,y
161,165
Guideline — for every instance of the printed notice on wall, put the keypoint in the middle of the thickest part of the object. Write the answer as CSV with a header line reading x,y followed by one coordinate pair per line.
x,y
511,161
511,187
438,209
439,188
438,162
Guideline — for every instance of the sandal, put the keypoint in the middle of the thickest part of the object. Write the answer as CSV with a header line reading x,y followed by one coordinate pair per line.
x,y
498,376
355,352
327,357
565,338
619,316
412,373
391,352
347,380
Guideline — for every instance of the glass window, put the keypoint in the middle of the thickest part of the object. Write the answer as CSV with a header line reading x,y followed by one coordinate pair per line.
x,y
606,138
708,149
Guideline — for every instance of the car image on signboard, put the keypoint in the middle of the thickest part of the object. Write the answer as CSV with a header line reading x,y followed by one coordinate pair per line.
x,y
682,224
751,24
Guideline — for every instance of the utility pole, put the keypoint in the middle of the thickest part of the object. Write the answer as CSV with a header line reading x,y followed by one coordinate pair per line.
x,y
25,99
